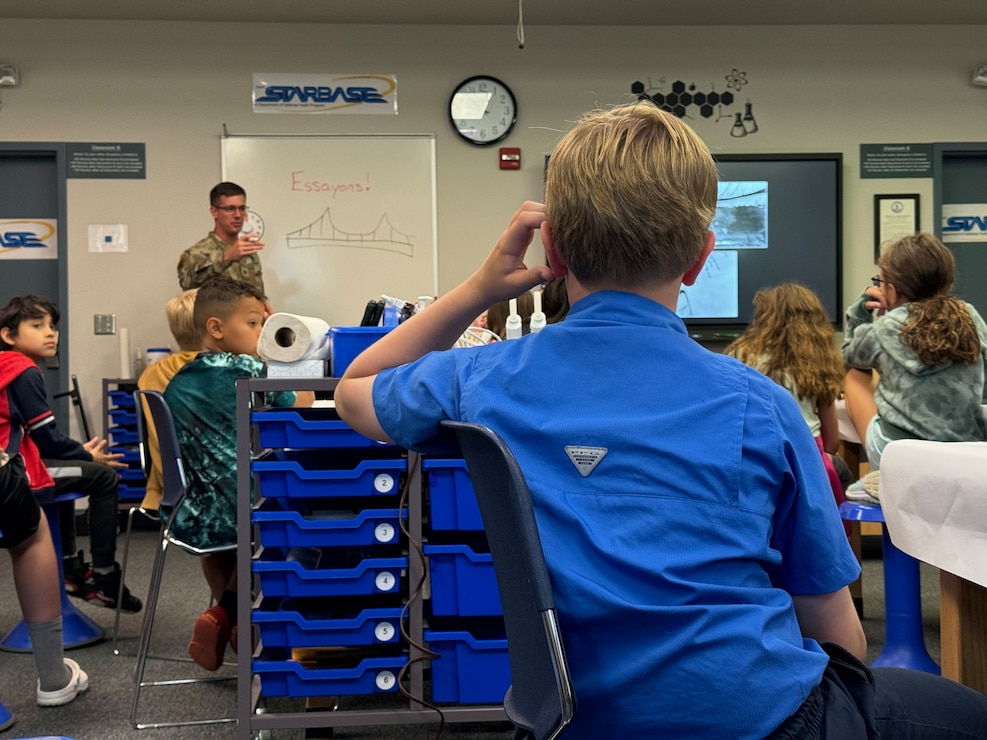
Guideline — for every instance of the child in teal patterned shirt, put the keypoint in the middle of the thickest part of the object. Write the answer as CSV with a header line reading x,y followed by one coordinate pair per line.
x,y
202,399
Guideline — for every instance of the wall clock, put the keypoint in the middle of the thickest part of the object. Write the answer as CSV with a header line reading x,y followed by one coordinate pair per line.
x,y
483,110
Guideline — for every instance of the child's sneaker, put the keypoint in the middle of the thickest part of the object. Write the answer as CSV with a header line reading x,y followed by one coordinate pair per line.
x,y
209,638
78,682
102,589
75,572
865,490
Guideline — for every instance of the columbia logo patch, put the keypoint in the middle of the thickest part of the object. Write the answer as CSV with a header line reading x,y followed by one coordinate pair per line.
x,y
585,458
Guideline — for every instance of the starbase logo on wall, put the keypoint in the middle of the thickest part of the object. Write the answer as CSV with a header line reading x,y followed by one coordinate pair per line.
x,y
964,222
334,93
28,239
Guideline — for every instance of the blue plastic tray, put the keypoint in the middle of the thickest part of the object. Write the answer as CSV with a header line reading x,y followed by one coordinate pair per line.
x,y
131,492
346,342
280,528
463,582
122,399
452,501
468,670
308,428
124,417
130,454
280,577
123,436
291,678
287,478
292,629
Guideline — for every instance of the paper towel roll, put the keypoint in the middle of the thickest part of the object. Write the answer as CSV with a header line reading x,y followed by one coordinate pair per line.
x,y
126,365
289,338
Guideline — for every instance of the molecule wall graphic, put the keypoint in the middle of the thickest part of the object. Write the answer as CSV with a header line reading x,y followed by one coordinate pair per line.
x,y
685,101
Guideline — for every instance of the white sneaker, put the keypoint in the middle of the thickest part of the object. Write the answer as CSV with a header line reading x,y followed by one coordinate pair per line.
x,y
78,683
865,490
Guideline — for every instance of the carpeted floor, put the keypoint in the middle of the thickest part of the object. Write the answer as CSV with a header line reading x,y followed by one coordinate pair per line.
x,y
103,712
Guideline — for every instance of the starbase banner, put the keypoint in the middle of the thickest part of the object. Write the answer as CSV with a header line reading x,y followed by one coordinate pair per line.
x,y
964,222
330,93
28,239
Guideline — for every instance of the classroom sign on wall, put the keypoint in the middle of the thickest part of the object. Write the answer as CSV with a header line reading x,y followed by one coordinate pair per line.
x,y
28,239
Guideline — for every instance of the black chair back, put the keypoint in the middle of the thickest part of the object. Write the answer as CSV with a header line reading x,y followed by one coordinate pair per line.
x,y
172,469
540,701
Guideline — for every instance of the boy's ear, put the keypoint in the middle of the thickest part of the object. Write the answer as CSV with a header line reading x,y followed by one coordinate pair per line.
x,y
214,327
6,335
555,261
692,274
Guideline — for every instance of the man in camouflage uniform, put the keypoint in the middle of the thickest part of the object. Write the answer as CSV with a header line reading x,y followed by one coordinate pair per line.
x,y
224,251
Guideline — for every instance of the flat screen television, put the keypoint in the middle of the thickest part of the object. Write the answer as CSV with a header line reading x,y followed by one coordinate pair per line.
x,y
779,218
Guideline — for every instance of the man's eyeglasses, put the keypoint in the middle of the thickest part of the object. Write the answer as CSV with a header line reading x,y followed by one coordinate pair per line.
x,y
232,209
877,281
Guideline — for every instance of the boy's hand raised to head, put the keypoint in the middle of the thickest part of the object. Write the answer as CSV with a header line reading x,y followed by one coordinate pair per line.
x,y
503,275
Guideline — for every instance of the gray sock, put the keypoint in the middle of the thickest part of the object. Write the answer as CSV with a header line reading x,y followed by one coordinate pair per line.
x,y
46,642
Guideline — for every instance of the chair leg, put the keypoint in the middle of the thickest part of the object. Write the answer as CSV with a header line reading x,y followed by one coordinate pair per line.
x,y
145,639
143,653
123,577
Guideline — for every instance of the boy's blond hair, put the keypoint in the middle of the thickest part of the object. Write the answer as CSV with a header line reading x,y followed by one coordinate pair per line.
x,y
630,194
180,311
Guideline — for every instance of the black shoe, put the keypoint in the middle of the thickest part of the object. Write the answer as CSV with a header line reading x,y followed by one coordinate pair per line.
x,y
102,589
76,571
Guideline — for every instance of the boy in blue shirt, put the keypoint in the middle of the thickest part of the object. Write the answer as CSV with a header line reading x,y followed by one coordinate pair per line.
x,y
229,316
697,557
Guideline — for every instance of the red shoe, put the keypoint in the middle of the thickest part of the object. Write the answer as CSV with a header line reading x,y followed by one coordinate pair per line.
x,y
209,638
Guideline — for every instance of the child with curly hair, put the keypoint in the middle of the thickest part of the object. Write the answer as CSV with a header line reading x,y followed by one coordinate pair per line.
x,y
791,340
930,351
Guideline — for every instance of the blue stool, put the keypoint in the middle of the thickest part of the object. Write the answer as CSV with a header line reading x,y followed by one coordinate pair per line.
x,y
6,718
77,628
904,642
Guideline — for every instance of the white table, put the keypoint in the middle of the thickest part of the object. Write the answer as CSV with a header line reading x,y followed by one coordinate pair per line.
x,y
934,497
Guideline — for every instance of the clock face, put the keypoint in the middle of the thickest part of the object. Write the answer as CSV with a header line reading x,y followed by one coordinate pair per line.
x,y
252,224
483,110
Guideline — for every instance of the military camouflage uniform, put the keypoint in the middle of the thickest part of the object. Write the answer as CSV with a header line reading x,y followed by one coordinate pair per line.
x,y
204,260
202,399
938,403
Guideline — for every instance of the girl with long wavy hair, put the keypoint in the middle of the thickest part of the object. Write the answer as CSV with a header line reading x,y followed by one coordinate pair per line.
x,y
928,347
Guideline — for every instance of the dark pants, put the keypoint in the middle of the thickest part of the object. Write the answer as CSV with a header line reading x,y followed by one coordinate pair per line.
x,y
853,702
101,483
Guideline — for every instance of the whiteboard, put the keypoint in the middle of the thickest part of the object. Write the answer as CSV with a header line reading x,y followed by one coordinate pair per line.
x,y
345,218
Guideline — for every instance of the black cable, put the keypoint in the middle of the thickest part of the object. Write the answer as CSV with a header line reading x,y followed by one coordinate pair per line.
x,y
413,594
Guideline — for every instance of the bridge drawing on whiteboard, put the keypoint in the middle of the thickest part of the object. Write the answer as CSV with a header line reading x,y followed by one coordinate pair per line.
x,y
324,233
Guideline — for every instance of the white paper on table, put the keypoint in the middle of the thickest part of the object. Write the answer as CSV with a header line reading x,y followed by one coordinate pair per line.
x,y
934,498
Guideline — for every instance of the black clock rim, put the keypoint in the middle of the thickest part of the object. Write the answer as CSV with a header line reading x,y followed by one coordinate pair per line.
x,y
510,126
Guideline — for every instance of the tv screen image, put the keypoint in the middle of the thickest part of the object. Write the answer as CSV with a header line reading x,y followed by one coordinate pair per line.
x,y
779,218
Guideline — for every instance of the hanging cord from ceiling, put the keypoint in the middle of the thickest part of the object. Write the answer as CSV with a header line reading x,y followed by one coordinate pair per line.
x,y
520,24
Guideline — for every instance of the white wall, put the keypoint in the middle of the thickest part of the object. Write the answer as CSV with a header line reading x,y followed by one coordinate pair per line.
x,y
174,86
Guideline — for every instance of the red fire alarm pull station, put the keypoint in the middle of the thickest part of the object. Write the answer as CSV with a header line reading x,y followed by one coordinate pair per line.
x,y
510,158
